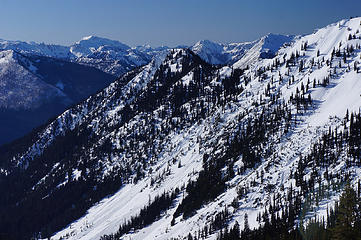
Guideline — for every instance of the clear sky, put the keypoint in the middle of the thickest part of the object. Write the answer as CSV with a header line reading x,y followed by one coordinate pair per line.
x,y
166,22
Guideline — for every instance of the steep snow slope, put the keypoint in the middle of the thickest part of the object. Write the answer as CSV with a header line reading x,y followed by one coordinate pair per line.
x,y
329,108
266,47
172,122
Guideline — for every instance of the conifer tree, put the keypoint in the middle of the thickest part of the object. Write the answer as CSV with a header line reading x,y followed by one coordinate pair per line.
x,y
346,217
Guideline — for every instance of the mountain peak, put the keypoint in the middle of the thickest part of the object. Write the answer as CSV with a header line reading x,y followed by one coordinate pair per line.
x,y
218,53
87,45
272,42
208,43
88,37
95,41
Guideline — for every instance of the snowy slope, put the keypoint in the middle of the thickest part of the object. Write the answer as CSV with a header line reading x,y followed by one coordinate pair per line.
x,y
266,47
105,217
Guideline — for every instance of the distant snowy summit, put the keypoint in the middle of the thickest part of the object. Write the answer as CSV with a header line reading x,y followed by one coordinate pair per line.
x,y
219,53
88,45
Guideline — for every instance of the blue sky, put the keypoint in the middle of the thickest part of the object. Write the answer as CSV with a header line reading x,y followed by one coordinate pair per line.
x,y
166,22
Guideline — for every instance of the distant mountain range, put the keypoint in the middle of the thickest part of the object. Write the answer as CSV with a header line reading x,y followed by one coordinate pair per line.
x,y
117,58
107,55
40,81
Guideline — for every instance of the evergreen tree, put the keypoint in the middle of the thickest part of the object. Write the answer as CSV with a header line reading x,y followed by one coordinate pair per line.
x,y
346,217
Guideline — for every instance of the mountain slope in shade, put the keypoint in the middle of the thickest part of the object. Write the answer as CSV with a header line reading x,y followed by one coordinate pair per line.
x,y
21,88
34,89
222,141
39,81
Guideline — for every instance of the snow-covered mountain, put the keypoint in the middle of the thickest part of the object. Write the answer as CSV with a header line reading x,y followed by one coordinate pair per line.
x,y
266,47
180,148
246,53
110,56
88,45
218,53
